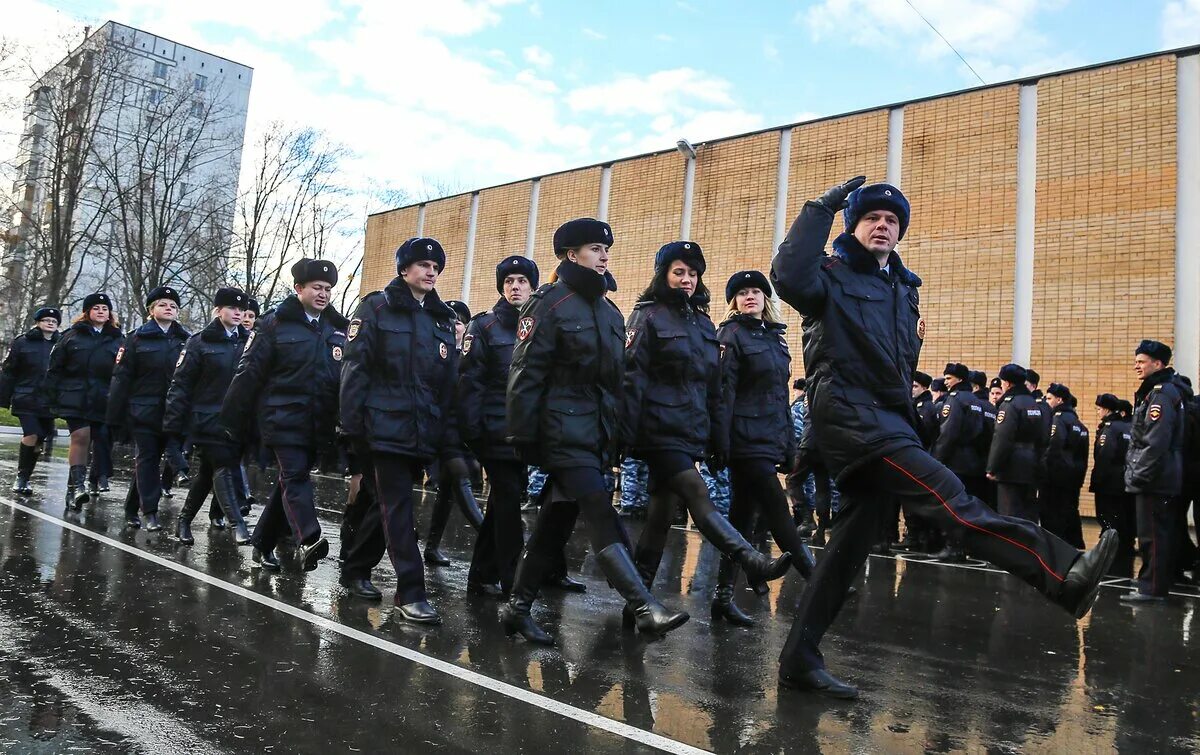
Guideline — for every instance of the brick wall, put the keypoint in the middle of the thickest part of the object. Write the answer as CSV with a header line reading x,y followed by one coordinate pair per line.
x,y
499,232
562,197
446,220
644,207
385,233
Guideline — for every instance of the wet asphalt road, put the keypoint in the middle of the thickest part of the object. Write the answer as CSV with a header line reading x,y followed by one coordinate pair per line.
x,y
107,650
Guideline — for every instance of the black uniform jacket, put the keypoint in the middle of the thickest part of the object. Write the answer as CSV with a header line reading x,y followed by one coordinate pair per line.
x,y
24,372
142,375
80,370
399,374
756,421
487,353
927,418
862,338
288,377
960,425
568,367
1019,439
1154,463
672,377
1065,458
1108,454
203,373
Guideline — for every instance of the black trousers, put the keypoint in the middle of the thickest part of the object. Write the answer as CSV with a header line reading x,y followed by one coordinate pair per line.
x,y
925,489
501,536
388,525
1059,507
292,502
1017,500
1119,512
577,490
146,488
1157,536
755,489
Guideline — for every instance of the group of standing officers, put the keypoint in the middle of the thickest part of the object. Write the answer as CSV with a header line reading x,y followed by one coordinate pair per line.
x,y
555,377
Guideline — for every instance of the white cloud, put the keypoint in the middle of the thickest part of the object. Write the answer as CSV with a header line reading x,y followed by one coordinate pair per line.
x,y
538,56
657,93
666,38
770,50
267,19
1181,23
594,34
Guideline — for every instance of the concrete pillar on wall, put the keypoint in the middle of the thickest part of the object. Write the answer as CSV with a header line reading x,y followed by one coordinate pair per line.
x,y
472,221
420,220
781,189
1022,348
1187,212
535,193
605,185
895,152
689,184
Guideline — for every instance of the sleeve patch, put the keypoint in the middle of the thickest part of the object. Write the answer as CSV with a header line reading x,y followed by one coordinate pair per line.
x,y
1155,412
120,353
355,324
466,347
946,410
632,334
182,354
1000,416
525,328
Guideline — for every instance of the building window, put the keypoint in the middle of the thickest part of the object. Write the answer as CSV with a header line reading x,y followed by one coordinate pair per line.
x,y
197,108
160,70
190,132
156,96
201,82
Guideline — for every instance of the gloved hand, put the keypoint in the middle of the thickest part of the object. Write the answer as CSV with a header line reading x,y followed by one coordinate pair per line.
x,y
716,461
173,453
835,198
529,452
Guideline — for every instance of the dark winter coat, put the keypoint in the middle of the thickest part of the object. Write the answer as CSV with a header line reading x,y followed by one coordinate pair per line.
x,y
1108,454
927,418
483,381
862,338
23,374
960,423
80,370
1064,462
1019,439
672,377
205,370
567,374
755,364
398,377
1154,463
144,366
288,377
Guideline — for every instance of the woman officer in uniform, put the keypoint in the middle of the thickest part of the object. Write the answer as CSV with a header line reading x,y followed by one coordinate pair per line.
x,y
77,380
754,431
564,392
21,379
202,376
137,396
672,390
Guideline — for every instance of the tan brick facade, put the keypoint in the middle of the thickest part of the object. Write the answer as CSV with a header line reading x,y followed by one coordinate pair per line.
x,y
499,232
562,197
385,233
645,204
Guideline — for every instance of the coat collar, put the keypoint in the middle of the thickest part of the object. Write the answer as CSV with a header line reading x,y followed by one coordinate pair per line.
x,y
150,329
108,330
924,396
290,309
34,334
581,280
847,248
750,323
399,296
505,313
214,332
1016,390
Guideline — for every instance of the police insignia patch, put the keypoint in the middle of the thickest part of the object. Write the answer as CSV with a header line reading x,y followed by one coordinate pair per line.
x,y
1102,439
250,339
336,353
443,351
1053,430
179,361
1000,416
946,410
525,328
1155,412
629,336
354,326
467,344
120,353
722,356
921,328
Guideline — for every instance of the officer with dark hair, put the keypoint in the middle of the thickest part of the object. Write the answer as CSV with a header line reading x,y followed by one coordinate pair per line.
x,y
979,384
1154,467
1065,466
482,386
1115,508
287,380
21,379
995,392
1017,447
137,398
397,409
960,423
863,337
202,376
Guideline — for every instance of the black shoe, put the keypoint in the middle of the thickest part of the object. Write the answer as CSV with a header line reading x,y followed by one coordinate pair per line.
x,y
311,554
484,589
881,549
360,588
566,584
260,560
217,523
1138,598
818,537
724,607
247,506
183,530
419,613
951,554
1079,590
133,522
152,524
819,681
435,557
20,484
806,525
241,535
651,617
228,491
101,485
516,621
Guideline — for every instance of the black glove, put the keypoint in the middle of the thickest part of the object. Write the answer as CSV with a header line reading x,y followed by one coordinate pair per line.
x,y
529,452
173,453
835,198
717,461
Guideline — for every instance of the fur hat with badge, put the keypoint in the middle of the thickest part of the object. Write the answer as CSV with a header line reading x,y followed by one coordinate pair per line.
x,y
581,232
92,300
420,249
687,252
516,265
1154,350
309,270
44,312
230,297
746,279
1014,373
864,199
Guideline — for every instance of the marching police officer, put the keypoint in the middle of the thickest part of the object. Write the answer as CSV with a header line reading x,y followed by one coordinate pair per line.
x,y
21,389
1115,508
203,373
864,333
960,423
137,398
564,390
77,382
397,409
290,367
1065,465
1017,447
1154,467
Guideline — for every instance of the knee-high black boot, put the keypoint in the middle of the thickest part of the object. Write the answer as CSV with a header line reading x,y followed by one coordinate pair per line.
x,y
515,616
76,479
25,464
437,525
191,506
228,490
464,496
759,568
723,605
650,616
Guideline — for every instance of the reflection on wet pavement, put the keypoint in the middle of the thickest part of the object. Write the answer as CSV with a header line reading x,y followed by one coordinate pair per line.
x,y
102,650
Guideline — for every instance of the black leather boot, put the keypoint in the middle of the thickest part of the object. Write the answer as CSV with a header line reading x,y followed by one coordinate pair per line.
x,y
723,605
515,617
759,568
228,490
646,562
1079,589
76,494
25,464
183,526
650,616
464,496
247,494
437,526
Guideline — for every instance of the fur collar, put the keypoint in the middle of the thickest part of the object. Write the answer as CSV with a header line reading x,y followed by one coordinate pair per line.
x,y
150,329
108,330
847,248
292,310
581,280
399,296
214,332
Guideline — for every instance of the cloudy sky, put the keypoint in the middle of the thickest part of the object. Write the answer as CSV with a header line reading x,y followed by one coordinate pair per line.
x,y
475,92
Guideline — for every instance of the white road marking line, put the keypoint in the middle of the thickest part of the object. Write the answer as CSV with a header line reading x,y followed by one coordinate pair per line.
x,y
550,705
